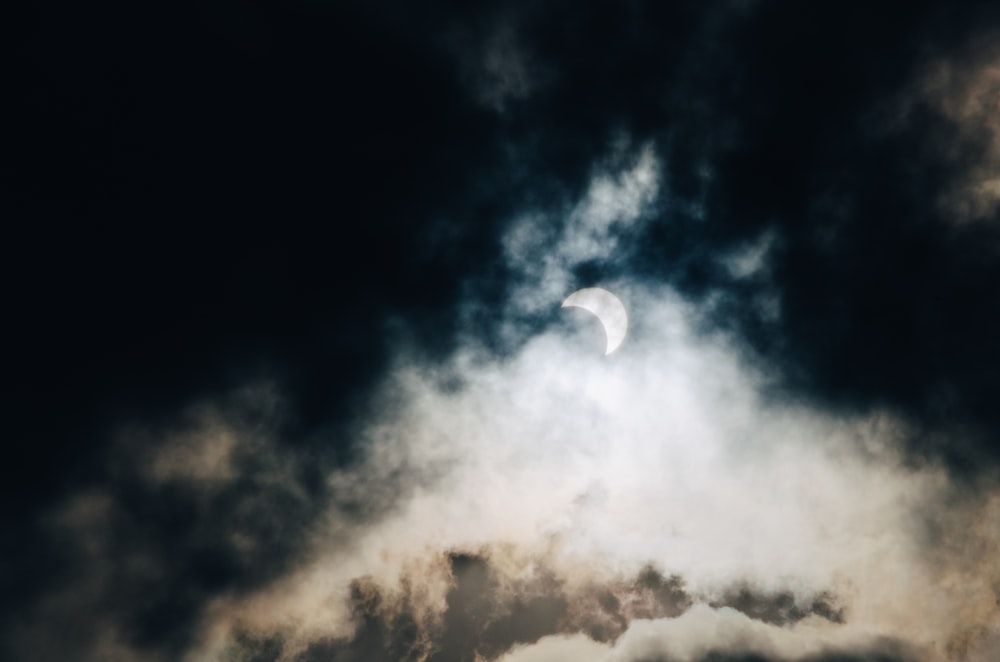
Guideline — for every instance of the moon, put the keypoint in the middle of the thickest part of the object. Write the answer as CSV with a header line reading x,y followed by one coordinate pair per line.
x,y
608,308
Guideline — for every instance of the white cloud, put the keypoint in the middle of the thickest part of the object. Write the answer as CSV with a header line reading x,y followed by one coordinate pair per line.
x,y
665,453
700,631
544,250
559,649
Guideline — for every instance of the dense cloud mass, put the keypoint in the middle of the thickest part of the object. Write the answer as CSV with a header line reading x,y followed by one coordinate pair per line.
x,y
289,379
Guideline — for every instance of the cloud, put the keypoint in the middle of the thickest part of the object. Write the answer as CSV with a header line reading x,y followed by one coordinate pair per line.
x,y
960,89
498,65
545,248
207,506
667,454
656,504
487,612
703,634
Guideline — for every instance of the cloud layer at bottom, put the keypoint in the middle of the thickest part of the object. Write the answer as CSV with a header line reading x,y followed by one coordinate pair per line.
x,y
556,504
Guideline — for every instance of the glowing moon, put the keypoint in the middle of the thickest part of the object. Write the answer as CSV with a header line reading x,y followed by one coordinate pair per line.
x,y
608,308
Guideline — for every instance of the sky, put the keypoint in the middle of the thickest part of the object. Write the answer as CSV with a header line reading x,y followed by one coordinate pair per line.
x,y
288,378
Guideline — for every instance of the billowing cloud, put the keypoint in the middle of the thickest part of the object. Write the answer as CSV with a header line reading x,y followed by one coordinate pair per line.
x,y
542,502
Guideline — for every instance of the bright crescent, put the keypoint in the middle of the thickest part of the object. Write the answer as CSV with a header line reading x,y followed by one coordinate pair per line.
x,y
608,308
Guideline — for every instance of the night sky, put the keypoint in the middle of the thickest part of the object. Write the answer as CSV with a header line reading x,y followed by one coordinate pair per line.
x,y
286,372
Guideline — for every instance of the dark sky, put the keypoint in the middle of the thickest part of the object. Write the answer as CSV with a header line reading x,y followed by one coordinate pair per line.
x,y
200,198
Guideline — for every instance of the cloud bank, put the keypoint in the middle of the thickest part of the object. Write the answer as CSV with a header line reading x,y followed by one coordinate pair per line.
x,y
542,503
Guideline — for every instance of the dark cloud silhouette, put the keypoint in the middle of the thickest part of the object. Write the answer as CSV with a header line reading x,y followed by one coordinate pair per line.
x,y
780,608
830,657
485,616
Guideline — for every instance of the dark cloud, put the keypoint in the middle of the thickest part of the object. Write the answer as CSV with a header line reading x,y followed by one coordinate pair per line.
x,y
206,509
486,616
780,608
827,657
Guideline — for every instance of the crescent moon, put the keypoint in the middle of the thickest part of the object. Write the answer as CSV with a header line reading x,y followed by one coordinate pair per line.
x,y
608,308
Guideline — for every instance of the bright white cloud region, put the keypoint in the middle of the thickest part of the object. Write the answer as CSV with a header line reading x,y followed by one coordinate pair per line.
x,y
567,468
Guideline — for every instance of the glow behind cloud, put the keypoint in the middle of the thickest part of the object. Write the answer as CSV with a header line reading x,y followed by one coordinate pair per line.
x,y
657,504
668,456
